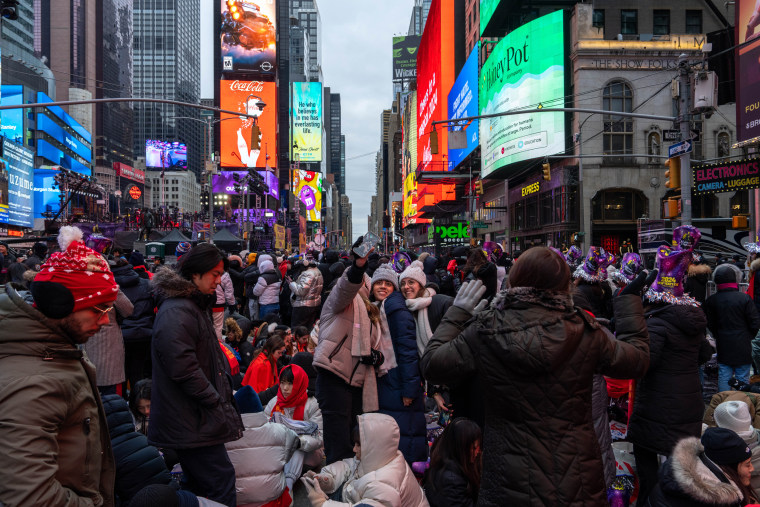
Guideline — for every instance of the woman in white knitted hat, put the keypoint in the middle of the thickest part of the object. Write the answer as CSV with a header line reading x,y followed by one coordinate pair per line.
x,y
734,415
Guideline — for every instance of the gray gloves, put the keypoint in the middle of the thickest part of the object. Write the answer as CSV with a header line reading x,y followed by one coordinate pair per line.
x,y
470,297
315,494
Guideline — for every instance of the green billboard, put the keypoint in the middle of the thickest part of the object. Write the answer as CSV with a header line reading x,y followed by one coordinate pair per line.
x,y
525,69
306,118
487,8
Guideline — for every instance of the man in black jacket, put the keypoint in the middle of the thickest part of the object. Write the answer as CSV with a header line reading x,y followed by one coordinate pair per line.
x,y
733,320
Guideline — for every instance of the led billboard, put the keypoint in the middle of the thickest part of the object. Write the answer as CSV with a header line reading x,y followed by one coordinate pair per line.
x,y
12,120
46,195
245,141
248,36
526,68
463,103
19,162
306,116
50,127
747,71
65,117
224,182
307,186
405,57
56,156
487,8
165,154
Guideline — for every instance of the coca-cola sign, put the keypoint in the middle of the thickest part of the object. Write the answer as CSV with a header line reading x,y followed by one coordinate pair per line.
x,y
246,86
248,140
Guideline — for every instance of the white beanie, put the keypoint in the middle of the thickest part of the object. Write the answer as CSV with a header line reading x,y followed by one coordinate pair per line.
x,y
415,272
385,272
734,415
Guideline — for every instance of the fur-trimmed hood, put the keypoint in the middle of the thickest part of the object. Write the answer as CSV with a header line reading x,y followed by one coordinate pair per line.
x,y
701,269
167,283
754,266
687,474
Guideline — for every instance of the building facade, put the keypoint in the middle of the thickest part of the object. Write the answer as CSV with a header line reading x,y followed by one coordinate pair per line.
x,y
174,189
307,13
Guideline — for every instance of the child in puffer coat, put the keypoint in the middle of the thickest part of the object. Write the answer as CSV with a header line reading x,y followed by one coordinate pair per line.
x,y
378,475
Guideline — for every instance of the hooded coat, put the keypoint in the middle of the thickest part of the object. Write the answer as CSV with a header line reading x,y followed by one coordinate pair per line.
x,y
55,447
696,281
668,405
536,355
192,403
308,288
267,288
382,476
138,327
429,265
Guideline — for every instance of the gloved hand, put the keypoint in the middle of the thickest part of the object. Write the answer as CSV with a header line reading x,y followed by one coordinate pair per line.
x,y
315,494
470,297
641,282
375,358
326,483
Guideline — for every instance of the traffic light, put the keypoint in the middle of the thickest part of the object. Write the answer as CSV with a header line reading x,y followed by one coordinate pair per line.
x,y
546,169
8,9
434,142
478,187
673,174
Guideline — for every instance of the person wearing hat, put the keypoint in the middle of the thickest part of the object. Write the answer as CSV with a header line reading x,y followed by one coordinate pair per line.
x,y
712,471
307,294
39,252
55,448
734,415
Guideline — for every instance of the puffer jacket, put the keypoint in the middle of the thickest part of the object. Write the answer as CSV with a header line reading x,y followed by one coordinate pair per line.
x,y
534,345
311,413
138,327
668,405
138,464
192,403
307,290
54,442
382,477
267,288
259,459
225,292
344,322
685,481
448,487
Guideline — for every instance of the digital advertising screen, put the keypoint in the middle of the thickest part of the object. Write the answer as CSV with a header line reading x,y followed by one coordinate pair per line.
x,y
65,117
19,162
487,9
747,71
307,122
405,57
248,141
526,67
46,195
56,156
224,182
307,186
249,36
53,129
463,103
165,154
12,120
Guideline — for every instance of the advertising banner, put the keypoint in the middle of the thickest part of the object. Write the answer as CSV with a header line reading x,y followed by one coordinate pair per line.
x,y
19,162
46,124
747,71
12,120
65,117
279,237
165,154
726,177
129,172
307,186
306,115
56,156
248,37
525,68
463,103
405,57
46,195
487,8
245,141
224,182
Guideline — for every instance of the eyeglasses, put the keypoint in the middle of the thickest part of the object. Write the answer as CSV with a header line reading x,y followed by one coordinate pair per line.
x,y
101,309
408,283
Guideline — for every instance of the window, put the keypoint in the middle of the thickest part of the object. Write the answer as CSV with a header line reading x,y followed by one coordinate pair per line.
x,y
618,130
629,21
598,18
693,21
661,22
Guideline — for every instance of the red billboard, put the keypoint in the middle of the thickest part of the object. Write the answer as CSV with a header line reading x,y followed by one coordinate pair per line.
x,y
129,172
245,141
747,36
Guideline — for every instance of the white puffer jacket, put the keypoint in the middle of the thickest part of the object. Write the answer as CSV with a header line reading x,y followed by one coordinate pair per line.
x,y
311,413
382,476
307,290
259,459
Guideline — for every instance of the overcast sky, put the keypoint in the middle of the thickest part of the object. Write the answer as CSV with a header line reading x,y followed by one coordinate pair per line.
x,y
356,62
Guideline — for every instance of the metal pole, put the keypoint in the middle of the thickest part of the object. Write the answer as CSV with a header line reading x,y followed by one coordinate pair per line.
x,y
683,115
210,181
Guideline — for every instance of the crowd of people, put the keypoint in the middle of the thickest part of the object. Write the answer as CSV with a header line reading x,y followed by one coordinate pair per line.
x,y
361,378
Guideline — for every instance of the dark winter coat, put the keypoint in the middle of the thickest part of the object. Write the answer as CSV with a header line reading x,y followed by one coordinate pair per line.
x,y
238,279
668,405
138,464
404,381
447,487
138,327
696,281
429,266
733,321
192,403
597,299
536,356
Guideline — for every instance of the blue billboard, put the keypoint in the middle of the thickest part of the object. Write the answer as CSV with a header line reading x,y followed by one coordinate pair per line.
x,y
56,156
12,120
46,196
51,128
19,162
65,117
463,102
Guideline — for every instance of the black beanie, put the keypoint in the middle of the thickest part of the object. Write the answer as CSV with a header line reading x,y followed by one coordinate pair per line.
x,y
724,446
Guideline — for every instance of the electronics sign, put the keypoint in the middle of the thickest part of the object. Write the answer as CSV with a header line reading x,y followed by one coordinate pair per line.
x,y
307,122
405,57
747,72
248,142
307,186
165,154
525,68
19,162
248,36
463,102
12,120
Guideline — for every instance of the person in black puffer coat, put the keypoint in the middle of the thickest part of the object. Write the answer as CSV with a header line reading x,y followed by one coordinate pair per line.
x,y
733,321
453,478
329,257
138,464
137,329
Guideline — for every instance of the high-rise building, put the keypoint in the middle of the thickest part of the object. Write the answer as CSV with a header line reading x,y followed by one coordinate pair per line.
x,y
166,56
299,54
20,64
307,13
342,163
334,141
419,16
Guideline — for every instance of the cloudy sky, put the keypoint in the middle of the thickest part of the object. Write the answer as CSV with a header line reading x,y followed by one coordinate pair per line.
x,y
356,62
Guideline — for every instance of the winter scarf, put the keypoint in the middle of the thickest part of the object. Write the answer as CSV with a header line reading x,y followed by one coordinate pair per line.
x,y
298,395
419,307
385,344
